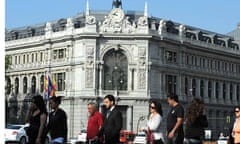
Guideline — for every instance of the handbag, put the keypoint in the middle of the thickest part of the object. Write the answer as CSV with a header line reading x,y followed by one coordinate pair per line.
x,y
150,137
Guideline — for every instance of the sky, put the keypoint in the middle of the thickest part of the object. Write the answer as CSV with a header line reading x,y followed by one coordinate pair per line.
x,y
220,16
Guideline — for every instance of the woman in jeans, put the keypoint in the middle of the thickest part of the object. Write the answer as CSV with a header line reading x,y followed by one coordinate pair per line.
x,y
195,122
154,123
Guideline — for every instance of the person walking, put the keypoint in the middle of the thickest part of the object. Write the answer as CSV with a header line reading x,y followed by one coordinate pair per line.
x,y
236,126
175,134
95,122
112,123
57,125
154,123
37,118
195,121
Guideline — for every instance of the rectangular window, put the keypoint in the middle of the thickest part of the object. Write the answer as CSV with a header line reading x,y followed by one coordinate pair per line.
x,y
60,81
32,57
36,58
15,59
59,54
171,56
187,59
24,59
171,83
41,56
55,53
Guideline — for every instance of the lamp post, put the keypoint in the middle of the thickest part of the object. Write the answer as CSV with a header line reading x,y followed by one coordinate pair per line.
x,y
141,118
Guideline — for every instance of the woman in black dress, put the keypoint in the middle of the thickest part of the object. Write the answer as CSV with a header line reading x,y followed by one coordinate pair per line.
x,y
57,125
37,118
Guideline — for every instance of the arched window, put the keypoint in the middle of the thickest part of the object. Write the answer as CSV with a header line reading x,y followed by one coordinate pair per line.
x,y
193,87
217,90
202,88
8,85
33,84
115,70
231,92
224,91
186,86
42,83
209,89
25,85
16,85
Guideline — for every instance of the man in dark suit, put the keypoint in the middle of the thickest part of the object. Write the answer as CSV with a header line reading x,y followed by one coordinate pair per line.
x,y
112,123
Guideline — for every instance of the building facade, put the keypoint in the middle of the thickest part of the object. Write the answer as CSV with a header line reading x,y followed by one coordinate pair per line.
x,y
130,55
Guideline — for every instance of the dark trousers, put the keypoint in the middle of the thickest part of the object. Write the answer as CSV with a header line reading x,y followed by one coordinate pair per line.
x,y
177,139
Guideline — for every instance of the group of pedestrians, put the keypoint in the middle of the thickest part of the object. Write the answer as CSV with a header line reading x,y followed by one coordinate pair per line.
x,y
106,128
194,119
183,126
41,123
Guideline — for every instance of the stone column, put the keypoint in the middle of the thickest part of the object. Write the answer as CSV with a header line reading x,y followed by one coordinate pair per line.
x,y
190,88
100,77
20,89
163,79
130,118
29,83
205,92
227,100
234,98
161,85
179,87
197,87
213,98
130,81
38,79
220,91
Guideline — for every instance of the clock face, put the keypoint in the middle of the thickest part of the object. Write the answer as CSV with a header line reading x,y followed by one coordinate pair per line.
x,y
117,14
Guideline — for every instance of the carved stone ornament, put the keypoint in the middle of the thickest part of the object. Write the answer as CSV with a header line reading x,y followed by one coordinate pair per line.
x,y
90,50
142,52
142,79
91,20
142,21
89,78
116,22
117,14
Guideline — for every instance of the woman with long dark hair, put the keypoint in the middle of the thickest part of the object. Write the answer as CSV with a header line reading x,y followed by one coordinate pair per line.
x,y
154,123
57,125
195,122
37,117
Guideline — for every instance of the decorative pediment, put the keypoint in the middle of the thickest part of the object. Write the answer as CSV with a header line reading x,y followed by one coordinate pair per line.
x,y
116,22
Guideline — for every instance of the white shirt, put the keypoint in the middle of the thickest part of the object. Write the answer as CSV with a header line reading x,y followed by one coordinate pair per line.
x,y
154,124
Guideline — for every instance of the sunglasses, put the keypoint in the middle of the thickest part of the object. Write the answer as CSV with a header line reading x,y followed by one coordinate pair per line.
x,y
152,107
236,111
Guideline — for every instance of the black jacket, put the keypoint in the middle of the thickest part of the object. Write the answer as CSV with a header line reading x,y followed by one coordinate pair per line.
x,y
57,125
111,127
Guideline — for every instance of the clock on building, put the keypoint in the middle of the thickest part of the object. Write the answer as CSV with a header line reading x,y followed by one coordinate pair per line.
x,y
117,14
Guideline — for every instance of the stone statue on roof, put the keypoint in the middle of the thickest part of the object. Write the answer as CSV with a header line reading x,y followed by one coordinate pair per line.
x,y
117,3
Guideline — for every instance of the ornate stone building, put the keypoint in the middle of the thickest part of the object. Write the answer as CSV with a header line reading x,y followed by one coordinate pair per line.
x,y
130,55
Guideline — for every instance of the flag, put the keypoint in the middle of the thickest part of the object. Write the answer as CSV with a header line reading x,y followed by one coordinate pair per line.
x,y
50,86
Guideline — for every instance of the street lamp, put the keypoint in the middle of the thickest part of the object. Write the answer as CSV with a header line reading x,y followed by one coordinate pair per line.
x,y
141,118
